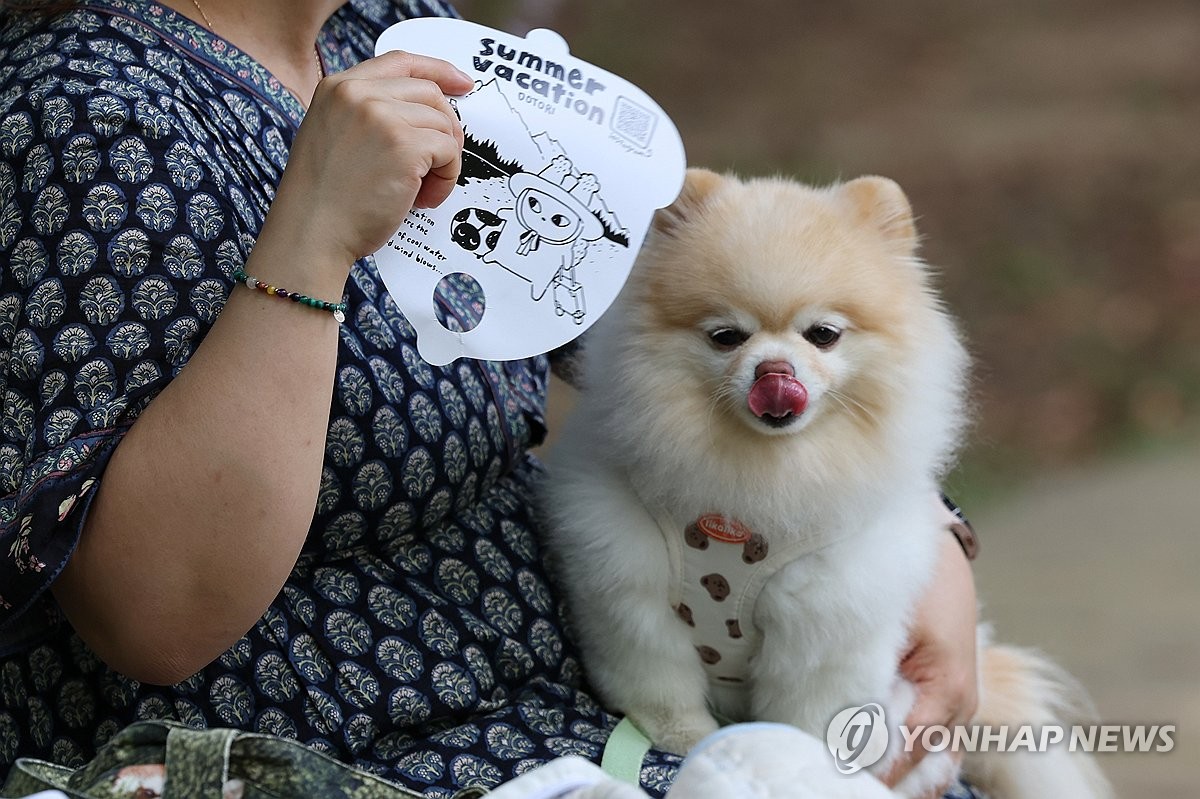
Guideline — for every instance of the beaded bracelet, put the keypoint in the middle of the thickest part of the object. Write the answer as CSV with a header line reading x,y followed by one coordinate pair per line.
x,y
337,308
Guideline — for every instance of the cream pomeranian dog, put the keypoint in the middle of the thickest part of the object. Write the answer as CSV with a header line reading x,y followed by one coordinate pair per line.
x,y
741,505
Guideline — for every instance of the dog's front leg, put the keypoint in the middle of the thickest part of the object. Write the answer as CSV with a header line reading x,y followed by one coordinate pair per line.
x,y
824,647
641,661
636,649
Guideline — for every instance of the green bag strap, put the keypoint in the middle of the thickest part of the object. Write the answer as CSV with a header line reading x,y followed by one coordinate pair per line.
x,y
624,752
29,776
284,768
197,762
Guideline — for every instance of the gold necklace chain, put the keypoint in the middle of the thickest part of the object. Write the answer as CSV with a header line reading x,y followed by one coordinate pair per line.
x,y
316,50
207,21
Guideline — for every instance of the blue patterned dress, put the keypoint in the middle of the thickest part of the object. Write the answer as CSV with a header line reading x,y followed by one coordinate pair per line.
x,y
418,635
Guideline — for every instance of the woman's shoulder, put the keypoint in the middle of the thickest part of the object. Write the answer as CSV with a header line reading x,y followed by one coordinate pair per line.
x,y
93,42
110,70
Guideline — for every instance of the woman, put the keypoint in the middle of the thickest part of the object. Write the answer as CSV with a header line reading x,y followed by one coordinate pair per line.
x,y
308,531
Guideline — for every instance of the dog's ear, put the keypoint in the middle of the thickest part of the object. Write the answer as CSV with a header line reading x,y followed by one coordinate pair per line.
x,y
881,204
698,184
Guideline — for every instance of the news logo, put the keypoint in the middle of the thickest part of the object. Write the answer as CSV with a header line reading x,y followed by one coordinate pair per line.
x,y
857,737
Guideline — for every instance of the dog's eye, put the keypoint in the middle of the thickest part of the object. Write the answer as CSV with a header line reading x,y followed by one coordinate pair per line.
x,y
823,336
728,337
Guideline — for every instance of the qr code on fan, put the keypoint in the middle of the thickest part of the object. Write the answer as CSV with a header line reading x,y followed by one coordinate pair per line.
x,y
633,122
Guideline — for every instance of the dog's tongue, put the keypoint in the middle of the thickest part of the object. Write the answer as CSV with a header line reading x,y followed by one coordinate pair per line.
x,y
777,395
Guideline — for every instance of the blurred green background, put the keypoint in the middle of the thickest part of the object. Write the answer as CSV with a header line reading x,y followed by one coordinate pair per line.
x,y
1052,153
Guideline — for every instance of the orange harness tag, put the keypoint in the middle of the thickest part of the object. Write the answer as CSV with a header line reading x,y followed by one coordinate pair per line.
x,y
721,529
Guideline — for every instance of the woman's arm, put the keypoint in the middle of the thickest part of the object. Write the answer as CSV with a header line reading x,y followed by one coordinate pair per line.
x,y
207,500
941,659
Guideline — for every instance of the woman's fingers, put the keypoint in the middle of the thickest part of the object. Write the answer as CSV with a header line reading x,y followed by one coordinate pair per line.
x,y
378,139
399,64
444,168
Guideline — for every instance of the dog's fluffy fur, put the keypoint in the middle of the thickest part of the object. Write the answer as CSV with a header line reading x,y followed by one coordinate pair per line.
x,y
664,427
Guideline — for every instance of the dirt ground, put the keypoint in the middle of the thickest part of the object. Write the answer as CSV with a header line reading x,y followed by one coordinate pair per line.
x,y
1098,568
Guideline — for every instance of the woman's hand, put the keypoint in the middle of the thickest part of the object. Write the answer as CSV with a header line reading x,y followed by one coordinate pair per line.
x,y
941,658
379,139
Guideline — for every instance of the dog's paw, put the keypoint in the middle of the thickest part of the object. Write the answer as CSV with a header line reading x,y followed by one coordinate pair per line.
x,y
674,731
935,773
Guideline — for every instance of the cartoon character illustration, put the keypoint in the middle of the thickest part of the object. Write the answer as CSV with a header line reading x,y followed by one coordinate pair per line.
x,y
543,236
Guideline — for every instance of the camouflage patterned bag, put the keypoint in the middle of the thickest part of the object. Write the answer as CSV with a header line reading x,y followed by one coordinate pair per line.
x,y
201,764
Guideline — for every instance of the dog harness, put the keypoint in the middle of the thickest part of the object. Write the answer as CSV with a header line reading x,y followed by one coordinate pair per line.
x,y
718,568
